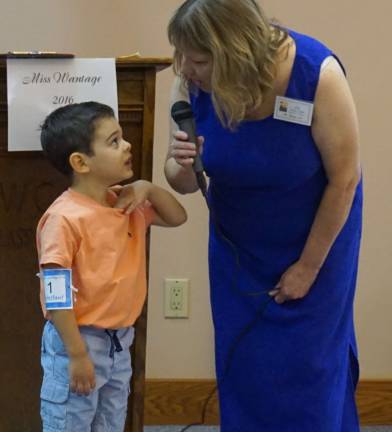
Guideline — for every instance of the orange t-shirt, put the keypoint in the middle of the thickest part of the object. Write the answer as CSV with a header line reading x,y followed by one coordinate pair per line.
x,y
106,250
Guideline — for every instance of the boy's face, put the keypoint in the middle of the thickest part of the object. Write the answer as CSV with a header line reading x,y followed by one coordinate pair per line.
x,y
112,159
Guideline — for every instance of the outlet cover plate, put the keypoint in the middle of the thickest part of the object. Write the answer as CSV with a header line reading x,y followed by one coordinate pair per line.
x,y
176,298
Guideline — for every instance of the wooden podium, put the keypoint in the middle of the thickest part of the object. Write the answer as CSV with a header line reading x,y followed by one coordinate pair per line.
x,y
28,184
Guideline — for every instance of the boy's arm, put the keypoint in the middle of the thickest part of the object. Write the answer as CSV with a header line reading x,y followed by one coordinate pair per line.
x,y
168,211
81,368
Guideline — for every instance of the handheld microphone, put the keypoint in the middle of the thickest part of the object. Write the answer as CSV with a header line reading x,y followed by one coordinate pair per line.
x,y
182,114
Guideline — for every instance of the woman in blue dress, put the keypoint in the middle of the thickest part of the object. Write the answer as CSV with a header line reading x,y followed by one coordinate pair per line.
x,y
278,126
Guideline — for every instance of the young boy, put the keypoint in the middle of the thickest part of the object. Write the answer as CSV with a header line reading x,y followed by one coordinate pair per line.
x,y
85,349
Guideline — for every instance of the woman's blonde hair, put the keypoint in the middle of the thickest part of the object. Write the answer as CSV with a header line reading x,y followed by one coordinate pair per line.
x,y
243,46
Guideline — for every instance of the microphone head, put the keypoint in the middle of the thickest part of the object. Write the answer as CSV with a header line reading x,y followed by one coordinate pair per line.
x,y
181,110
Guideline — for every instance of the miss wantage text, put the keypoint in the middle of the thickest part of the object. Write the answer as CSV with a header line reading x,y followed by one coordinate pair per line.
x,y
61,78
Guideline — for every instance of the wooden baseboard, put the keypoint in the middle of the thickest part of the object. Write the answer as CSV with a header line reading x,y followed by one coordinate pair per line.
x,y
182,401
374,400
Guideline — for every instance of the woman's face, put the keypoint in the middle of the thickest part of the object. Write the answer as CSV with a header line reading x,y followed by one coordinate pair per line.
x,y
196,66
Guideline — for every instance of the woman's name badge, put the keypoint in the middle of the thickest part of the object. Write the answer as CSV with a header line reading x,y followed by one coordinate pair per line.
x,y
293,110
58,288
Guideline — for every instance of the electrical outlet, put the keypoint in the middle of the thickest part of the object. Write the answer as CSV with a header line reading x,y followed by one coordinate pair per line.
x,y
176,298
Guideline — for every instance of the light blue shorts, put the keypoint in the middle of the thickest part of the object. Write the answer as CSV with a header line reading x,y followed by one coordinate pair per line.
x,y
103,410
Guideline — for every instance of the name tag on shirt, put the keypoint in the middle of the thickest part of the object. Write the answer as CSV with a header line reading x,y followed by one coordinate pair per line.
x,y
58,289
293,110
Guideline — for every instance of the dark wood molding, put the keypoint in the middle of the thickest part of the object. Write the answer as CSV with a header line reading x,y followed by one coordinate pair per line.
x,y
374,399
181,402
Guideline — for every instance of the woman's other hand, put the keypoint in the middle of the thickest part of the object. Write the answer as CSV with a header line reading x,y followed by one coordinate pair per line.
x,y
295,283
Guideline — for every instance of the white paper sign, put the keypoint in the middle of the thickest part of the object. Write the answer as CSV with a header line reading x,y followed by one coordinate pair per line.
x,y
37,87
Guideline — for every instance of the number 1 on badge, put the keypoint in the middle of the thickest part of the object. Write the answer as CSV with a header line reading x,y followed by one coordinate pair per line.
x,y
58,288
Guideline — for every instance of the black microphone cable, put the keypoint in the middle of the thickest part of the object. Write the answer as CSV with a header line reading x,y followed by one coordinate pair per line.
x,y
201,181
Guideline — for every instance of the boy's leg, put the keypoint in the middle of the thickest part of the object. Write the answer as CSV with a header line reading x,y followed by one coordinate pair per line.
x,y
61,410
113,396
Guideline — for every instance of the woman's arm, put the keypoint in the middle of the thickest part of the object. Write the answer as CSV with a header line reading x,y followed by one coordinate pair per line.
x,y
179,159
335,131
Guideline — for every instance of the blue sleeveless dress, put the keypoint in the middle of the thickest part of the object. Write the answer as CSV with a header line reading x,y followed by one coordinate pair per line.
x,y
295,369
